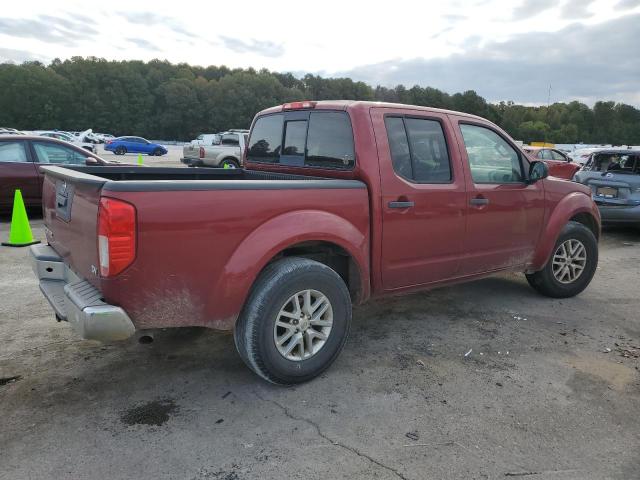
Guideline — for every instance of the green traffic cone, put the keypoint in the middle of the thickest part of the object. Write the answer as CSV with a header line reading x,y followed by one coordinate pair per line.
x,y
20,232
226,166
139,159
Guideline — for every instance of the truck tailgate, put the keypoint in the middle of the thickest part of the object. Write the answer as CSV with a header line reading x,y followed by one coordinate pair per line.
x,y
70,210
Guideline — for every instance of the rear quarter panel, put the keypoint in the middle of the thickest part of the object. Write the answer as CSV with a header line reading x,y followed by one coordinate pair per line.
x,y
199,252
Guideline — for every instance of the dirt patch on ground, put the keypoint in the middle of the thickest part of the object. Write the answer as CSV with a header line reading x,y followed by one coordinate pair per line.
x,y
615,374
152,413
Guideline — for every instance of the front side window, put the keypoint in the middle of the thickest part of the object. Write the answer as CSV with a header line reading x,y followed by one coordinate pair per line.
x,y
418,149
12,152
557,156
266,139
53,153
491,158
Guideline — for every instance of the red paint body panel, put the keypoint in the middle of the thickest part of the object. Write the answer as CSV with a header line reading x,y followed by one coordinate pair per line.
x,y
199,251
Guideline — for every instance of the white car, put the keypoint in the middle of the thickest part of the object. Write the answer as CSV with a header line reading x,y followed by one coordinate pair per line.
x,y
76,140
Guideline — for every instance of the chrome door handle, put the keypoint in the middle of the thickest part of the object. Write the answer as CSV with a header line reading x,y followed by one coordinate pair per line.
x,y
401,204
479,201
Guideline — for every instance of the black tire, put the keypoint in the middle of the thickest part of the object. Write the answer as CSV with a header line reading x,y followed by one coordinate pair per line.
x,y
254,331
157,152
120,151
231,162
545,281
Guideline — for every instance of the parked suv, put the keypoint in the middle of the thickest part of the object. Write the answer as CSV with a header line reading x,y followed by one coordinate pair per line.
x,y
339,201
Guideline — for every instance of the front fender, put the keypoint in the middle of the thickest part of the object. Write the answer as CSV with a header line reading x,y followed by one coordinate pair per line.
x,y
568,207
271,238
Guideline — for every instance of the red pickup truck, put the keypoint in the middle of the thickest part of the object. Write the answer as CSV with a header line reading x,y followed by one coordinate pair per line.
x,y
341,201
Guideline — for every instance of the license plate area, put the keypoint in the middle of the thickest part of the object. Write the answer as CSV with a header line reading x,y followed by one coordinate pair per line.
x,y
607,192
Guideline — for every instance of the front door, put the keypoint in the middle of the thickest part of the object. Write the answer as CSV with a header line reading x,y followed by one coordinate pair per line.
x,y
17,171
505,214
423,197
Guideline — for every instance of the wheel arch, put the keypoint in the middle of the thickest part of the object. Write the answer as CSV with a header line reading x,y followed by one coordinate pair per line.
x,y
321,236
576,207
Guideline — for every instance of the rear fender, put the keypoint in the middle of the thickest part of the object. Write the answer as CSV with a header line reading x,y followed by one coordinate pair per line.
x,y
570,206
278,234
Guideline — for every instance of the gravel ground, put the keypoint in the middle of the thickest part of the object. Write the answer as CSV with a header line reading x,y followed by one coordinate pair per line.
x,y
545,392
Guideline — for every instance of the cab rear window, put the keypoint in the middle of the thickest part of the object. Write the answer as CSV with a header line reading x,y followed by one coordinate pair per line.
x,y
312,139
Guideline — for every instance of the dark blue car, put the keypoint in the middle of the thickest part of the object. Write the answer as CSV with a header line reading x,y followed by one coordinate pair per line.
x,y
122,145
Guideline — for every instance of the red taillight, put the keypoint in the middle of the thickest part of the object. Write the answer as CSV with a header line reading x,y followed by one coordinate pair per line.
x,y
299,105
201,152
116,236
109,141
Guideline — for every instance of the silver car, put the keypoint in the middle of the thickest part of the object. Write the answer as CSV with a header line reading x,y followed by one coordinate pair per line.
x,y
614,178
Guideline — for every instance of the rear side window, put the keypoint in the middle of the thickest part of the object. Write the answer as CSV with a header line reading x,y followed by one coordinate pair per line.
x,y
12,152
266,139
330,141
418,149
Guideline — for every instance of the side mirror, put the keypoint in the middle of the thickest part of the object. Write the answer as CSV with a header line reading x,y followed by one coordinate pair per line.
x,y
91,161
538,171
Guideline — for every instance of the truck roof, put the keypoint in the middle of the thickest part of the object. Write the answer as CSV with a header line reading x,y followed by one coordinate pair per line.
x,y
359,104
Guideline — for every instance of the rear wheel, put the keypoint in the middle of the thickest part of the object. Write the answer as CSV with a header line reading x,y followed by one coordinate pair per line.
x,y
229,163
571,266
120,151
295,322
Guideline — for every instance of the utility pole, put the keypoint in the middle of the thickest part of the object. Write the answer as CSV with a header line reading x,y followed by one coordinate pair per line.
x,y
546,118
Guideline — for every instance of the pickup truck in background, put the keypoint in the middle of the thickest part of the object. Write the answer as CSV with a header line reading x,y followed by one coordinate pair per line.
x,y
226,153
341,201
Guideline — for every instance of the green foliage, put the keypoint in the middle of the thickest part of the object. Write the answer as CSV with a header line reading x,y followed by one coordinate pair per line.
x,y
158,99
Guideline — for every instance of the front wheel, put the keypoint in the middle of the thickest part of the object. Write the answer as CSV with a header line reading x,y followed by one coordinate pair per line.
x,y
295,322
571,266
157,152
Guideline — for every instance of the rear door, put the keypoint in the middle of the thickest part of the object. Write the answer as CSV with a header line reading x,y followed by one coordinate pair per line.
x,y
17,171
423,197
504,213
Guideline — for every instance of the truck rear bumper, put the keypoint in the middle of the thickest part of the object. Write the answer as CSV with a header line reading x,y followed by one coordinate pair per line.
x,y
77,301
192,162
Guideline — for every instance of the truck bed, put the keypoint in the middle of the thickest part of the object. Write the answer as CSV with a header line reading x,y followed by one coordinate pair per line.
x,y
202,234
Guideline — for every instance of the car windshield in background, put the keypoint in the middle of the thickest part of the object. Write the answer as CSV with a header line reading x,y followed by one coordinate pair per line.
x,y
618,162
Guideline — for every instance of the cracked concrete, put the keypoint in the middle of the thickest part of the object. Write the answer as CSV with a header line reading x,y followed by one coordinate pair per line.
x,y
330,440
539,397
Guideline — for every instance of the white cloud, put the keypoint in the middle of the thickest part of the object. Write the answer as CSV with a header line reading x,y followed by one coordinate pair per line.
x,y
335,36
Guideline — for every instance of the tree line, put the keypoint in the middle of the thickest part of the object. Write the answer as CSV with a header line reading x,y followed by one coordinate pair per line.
x,y
161,100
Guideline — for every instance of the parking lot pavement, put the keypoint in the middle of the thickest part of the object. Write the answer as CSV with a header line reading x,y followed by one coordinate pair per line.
x,y
545,391
171,159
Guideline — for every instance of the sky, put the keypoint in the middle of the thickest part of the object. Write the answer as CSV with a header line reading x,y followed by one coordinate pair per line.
x,y
585,50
